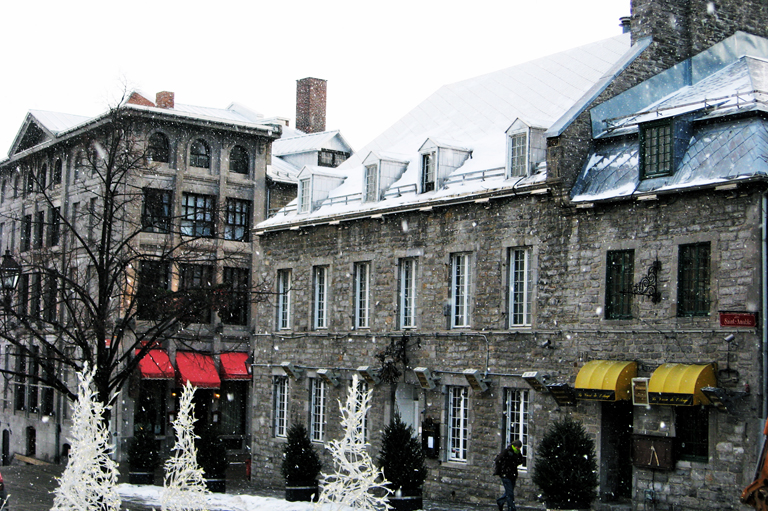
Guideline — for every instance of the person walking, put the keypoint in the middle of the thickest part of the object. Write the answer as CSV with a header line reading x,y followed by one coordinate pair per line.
x,y
505,466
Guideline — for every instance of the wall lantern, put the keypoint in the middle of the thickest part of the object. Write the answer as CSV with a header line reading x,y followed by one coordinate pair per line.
x,y
426,380
475,380
291,370
536,380
329,376
368,374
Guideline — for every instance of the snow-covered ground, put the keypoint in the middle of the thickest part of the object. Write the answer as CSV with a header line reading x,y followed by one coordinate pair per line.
x,y
150,496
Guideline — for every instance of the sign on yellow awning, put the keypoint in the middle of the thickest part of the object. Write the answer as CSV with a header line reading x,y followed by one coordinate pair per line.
x,y
681,384
605,380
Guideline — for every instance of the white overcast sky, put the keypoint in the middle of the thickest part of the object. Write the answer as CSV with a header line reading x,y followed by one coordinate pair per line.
x,y
380,58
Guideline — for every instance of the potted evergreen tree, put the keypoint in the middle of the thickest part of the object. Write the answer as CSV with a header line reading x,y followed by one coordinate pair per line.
x,y
301,466
565,469
402,461
212,457
143,456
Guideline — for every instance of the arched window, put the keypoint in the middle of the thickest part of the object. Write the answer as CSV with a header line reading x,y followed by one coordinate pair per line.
x,y
157,149
238,160
57,172
200,155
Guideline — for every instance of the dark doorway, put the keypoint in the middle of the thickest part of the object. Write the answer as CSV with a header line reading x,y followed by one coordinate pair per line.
x,y
615,451
6,447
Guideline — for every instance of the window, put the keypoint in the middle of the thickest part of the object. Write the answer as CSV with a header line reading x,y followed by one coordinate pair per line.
x,y
280,405
35,295
50,300
158,148
427,172
233,407
238,220
238,160
92,220
54,226
517,412
520,287
16,187
153,286
57,172
318,394
46,392
81,163
20,381
33,393
371,184
360,392
284,299
3,187
518,155
151,407
458,420
234,311
197,215
620,268
197,280
693,280
692,433
42,177
407,300
30,184
39,229
26,232
156,216
362,294
200,155
459,290
327,158
305,196
320,282
656,149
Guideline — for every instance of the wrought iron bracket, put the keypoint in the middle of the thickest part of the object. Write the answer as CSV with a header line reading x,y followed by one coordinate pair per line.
x,y
648,284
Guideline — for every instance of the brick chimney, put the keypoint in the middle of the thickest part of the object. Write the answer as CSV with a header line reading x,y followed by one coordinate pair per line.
x,y
164,99
310,104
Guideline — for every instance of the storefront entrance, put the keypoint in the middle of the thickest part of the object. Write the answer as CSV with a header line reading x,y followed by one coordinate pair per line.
x,y
615,451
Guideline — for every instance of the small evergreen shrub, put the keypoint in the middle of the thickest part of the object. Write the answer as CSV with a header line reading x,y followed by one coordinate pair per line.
x,y
301,464
565,468
402,458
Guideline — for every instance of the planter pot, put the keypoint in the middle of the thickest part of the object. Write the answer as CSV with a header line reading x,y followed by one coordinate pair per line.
x,y
406,503
301,493
216,485
141,477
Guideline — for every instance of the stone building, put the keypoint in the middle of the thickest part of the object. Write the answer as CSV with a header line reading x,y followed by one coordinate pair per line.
x,y
579,235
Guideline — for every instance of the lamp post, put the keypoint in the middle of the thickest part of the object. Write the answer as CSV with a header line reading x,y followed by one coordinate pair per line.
x,y
10,271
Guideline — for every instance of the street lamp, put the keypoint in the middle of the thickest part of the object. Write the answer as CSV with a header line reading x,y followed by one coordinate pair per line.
x,y
10,271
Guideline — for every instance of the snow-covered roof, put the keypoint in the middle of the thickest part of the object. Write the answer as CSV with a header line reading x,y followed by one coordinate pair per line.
x,y
302,143
57,122
282,171
472,114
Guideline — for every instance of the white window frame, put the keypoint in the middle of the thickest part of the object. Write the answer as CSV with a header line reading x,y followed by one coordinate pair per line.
x,y
362,294
460,289
280,405
407,298
518,154
284,299
458,424
305,195
320,302
519,287
318,396
360,391
428,172
517,414
371,183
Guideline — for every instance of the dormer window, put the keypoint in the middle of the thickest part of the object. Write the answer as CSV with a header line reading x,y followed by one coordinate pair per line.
x,y
656,149
427,172
305,196
518,155
371,183
329,158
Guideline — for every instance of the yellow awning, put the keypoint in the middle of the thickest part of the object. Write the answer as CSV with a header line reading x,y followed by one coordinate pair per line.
x,y
605,380
681,384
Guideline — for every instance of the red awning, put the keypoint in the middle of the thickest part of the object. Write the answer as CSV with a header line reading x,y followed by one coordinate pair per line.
x,y
233,366
156,366
200,370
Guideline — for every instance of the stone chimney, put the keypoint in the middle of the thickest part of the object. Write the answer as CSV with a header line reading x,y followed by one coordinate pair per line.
x,y
625,24
164,99
310,104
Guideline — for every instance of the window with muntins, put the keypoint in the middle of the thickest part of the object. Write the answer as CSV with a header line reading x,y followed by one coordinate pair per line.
x,y
692,433
362,294
26,232
234,310
458,423
407,301
459,290
284,299
54,226
156,215
517,413
360,392
620,268
318,394
237,226
238,160
39,229
305,196
200,154
280,406
152,288
693,275
57,172
320,281
158,148
50,300
520,287
198,215
518,155
196,278
656,149
371,183
428,172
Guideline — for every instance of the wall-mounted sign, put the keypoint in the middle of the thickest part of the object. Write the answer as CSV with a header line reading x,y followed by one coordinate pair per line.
x,y
654,452
596,394
738,319
563,394
640,391
664,398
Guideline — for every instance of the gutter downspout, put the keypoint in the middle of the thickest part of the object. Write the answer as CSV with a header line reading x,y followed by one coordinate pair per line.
x,y
764,292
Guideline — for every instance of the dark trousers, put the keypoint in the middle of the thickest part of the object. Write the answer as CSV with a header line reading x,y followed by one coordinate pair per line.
x,y
509,494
